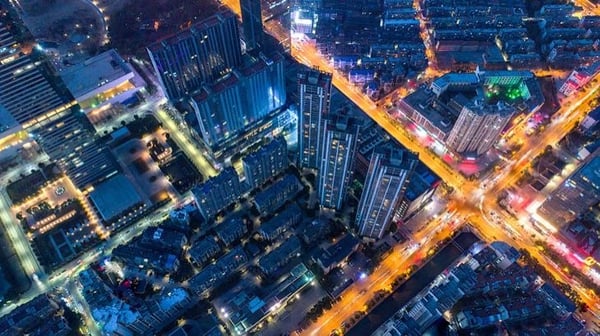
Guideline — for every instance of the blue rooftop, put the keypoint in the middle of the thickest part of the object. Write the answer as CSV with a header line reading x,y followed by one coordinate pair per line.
x,y
114,196
591,172
337,252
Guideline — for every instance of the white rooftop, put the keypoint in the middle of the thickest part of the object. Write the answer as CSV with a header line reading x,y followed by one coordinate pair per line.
x,y
95,72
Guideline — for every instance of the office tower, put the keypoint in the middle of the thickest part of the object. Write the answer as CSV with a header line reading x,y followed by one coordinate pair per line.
x,y
217,192
385,184
202,53
268,161
68,141
314,92
237,101
576,194
252,23
27,93
337,150
478,126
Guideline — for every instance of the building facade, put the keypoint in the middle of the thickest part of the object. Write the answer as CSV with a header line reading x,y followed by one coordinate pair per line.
x,y
217,192
385,185
337,153
265,163
478,127
314,92
202,53
239,100
252,23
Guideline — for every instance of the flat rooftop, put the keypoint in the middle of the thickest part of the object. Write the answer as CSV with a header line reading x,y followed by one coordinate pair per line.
x,y
95,72
114,196
591,172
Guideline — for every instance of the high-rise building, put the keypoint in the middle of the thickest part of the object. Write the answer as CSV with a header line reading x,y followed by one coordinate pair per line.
x,y
252,23
478,127
385,184
239,100
266,162
202,53
337,149
576,194
314,92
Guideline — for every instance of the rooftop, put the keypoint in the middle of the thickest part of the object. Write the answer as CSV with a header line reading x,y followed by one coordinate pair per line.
x,y
95,72
247,309
591,172
336,253
114,196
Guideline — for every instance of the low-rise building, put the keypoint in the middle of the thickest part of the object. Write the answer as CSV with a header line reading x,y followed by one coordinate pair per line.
x,y
272,198
214,274
33,318
218,192
335,255
117,200
487,292
231,230
140,258
163,239
102,80
203,250
246,310
279,256
282,222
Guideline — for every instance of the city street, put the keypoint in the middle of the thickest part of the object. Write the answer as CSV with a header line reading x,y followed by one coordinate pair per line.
x,y
468,195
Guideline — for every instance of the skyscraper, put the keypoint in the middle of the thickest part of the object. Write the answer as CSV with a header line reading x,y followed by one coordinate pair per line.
x,y
314,92
266,162
388,175
337,148
478,126
199,54
239,100
252,23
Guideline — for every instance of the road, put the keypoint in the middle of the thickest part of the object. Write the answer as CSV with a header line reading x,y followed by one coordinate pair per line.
x,y
185,143
468,194
356,297
18,238
64,274
588,7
